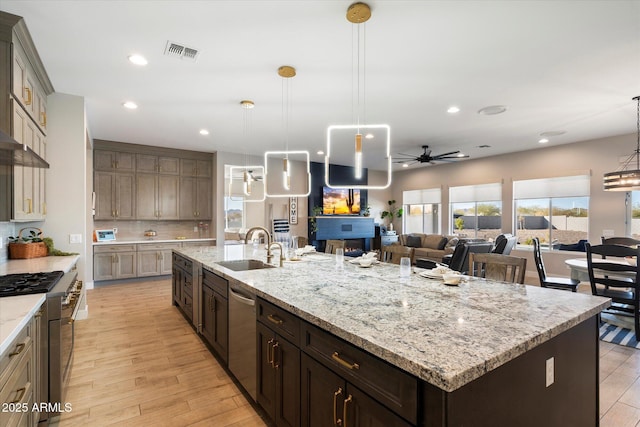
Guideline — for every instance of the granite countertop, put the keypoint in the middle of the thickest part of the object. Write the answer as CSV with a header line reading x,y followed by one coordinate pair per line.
x,y
447,336
155,240
15,313
37,265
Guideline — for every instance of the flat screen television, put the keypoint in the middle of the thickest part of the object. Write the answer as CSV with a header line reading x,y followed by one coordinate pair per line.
x,y
340,201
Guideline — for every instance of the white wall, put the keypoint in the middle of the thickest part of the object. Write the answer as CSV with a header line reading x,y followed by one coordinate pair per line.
x,y
66,191
598,156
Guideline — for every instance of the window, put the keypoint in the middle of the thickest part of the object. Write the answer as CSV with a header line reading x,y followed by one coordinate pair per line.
x,y
634,226
421,211
476,210
233,214
555,210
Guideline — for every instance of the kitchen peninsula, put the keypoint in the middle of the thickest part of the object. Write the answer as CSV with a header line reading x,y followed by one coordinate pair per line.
x,y
482,353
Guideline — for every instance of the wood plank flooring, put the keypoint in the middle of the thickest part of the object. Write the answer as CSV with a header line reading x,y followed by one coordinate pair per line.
x,y
138,363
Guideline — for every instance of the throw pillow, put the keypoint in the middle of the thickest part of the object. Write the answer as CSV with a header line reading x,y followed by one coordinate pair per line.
x,y
414,241
452,242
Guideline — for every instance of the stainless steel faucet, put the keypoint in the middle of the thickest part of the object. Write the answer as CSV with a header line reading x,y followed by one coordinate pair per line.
x,y
269,241
281,251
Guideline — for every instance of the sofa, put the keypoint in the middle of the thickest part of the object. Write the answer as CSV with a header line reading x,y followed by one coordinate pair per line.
x,y
429,246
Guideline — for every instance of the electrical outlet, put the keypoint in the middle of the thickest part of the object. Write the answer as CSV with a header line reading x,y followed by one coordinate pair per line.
x,y
550,372
75,238
115,230
195,229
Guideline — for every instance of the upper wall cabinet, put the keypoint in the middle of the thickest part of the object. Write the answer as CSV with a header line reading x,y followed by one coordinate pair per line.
x,y
23,114
135,182
114,161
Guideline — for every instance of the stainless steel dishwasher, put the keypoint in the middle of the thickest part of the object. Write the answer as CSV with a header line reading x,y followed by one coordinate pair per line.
x,y
242,337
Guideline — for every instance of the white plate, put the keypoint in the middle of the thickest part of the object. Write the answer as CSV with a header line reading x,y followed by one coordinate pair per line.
x,y
432,274
365,266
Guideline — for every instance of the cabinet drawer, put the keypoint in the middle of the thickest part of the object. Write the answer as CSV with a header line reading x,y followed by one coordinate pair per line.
x,y
157,246
113,248
389,385
182,262
279,320
19,388
11,357
215,282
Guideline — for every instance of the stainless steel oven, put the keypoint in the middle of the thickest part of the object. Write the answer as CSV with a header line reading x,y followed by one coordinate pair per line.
x,y
58,339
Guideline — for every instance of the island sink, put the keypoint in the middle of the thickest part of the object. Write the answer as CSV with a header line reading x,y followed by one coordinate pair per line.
x,y
244,264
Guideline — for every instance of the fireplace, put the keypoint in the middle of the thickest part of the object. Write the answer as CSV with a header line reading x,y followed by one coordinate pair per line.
x,y
354,247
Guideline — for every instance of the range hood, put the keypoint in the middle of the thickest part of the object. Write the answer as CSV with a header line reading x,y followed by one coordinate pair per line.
x,y
14,153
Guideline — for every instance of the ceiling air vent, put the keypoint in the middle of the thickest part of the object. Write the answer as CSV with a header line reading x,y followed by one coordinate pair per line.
x,y
177,50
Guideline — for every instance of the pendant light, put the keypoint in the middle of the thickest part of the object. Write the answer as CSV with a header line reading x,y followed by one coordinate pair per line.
x,y
358,14
287,73
626,179
246,182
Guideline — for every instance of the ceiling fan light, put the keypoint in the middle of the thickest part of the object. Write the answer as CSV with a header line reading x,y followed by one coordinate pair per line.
x,y
405,165
453,109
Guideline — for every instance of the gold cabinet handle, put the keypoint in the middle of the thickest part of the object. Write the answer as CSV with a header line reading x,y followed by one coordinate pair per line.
x,y
344,409
43,119
117,165
44,208
29,96
336,421
335,356
29,206
21,391
18,350
275,319
117,213
276,364
270,352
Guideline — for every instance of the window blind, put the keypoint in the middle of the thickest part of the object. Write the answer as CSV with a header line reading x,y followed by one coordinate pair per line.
x,y
566,186
422,197
476,193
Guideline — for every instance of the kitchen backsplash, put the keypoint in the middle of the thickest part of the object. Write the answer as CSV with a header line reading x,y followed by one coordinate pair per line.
x,y
134,230
6,229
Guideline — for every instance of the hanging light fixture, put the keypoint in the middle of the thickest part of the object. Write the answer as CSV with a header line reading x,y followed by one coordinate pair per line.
x,y
287,72
246,182
357,14
626,179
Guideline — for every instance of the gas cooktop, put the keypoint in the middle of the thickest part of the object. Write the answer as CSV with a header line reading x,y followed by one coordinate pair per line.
x,y
28,283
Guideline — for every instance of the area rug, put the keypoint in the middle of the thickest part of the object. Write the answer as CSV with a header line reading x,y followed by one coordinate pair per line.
x,y
618,335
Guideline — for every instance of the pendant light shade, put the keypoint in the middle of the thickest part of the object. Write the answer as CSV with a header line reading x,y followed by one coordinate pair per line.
x,y
626,178
293,164
367,152
246,183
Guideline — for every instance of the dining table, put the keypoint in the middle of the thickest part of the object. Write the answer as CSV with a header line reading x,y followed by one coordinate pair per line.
x,y
580,270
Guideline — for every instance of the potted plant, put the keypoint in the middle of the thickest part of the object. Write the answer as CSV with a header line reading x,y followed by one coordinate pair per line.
x,y
366,211
392,213
317,210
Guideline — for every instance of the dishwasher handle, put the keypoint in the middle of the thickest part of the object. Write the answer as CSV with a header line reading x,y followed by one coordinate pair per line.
x,y
241,299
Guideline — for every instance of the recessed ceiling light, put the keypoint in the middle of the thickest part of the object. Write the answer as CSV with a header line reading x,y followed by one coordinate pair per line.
x,y
320,153
405,165
552,133
369,136
138,59
204,132
492,110
453,109
247,104
130,105
543,140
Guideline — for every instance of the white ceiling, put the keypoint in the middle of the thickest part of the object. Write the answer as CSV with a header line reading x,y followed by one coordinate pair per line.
x,y
557,65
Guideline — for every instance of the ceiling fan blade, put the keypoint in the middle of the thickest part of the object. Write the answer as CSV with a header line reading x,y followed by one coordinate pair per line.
x,y
446,154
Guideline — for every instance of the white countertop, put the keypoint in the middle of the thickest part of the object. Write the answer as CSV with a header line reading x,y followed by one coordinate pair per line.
x,y
15,313
37,265
158,240
447,336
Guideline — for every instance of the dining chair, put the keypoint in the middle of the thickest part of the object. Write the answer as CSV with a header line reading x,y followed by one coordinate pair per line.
x,y
332,245
459,260
302,241
611,276
624,241
504,268
548,281
504,244
393,253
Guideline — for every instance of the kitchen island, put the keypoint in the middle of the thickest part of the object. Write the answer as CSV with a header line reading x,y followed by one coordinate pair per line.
x,y
484,352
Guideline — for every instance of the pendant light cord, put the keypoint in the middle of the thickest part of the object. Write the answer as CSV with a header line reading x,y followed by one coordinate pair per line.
x,y
637,98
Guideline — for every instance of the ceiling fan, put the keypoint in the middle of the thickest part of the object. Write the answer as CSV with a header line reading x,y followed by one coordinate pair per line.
x,y
426,157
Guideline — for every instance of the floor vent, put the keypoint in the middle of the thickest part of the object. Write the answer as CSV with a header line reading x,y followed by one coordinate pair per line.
x,y
177,50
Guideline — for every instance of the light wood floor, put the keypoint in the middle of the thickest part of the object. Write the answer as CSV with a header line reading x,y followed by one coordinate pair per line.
x,y
138,363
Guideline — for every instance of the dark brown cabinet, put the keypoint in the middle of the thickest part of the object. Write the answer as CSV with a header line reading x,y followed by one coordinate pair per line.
x,y
182,278
278,376
215,313
327,400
